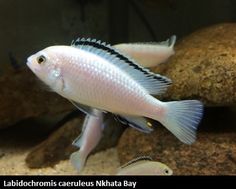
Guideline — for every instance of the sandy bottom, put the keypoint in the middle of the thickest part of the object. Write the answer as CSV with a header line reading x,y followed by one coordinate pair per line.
x,y
13,163
14,148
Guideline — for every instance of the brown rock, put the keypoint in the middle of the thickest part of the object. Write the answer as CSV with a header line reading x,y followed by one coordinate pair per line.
x,y
213,152
58,146
22,96
204,67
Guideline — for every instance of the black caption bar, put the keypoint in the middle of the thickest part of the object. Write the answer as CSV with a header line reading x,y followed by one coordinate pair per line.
x,y
129,182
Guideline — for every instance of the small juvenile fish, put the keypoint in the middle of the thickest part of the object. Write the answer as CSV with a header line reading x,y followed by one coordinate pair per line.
x,y
144,166
149,54
88,140
92,74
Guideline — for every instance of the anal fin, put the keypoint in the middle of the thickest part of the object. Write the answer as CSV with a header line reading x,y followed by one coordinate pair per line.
x,y
139,123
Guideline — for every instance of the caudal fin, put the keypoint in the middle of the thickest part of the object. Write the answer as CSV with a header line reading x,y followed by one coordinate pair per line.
x,y
182,119
172,41
78,160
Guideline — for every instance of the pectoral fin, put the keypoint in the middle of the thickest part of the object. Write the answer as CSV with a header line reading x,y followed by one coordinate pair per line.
x,y
139,123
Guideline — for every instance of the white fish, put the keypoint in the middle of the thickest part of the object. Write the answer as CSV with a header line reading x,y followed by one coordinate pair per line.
x,y
144,166
88,140
92,74
149,54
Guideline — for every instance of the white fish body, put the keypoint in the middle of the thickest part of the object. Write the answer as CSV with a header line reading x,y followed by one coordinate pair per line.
x,y
88,140
95,75
149,54
139,166
86,78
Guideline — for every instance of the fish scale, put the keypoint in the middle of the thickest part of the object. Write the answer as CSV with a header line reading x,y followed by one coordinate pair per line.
x,y
103,87
92,74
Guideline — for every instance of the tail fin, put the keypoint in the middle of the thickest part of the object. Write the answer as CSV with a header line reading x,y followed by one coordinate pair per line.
x,y
78,160
172,41
182,119
169,42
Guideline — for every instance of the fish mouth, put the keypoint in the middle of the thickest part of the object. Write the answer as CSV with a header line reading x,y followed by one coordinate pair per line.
x,y
29,60
30,66
28,63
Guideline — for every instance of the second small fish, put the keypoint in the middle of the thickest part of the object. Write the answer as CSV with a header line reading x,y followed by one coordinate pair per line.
x,y
144,166
90,136
149,54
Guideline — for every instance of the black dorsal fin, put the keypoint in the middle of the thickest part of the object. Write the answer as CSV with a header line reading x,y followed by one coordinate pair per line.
x,y
141,158
153,83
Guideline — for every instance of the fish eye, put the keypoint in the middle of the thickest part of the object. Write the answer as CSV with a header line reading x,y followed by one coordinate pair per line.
x,y
41,59
166,171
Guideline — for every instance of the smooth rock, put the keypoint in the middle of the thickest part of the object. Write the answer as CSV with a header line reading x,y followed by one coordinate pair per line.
x,y
213,153
23,96
204,67
58,146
